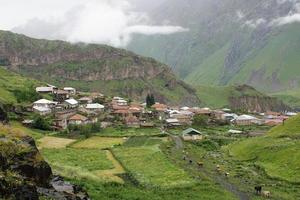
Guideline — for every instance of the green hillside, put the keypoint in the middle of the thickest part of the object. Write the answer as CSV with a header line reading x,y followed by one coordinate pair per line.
x,y
221,48
242,97
15,88
92,67
277,153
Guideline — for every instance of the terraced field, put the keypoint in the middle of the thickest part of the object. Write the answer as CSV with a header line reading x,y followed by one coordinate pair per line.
x,y
98,143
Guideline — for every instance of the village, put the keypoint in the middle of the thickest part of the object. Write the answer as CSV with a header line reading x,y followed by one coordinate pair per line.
x,y
69,107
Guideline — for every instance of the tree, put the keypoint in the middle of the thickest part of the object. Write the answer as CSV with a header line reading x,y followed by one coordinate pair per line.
x,y
42,123
150,100
200,120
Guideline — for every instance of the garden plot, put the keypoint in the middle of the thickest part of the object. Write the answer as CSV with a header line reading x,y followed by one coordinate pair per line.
x,y
151,167
49,142
98,143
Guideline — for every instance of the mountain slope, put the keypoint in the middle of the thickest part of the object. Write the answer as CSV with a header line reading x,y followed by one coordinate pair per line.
x,y
229,42
94,68
15,88
274,152
243,97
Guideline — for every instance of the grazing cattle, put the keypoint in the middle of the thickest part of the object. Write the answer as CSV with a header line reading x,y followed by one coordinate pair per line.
x,y
200,164
184,158
266,194
258,189
191,162
226,174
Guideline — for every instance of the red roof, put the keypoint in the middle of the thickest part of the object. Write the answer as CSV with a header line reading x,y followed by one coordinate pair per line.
x,y
78,117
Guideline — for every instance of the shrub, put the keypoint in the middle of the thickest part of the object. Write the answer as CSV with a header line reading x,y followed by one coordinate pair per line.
x,y
42,123
200,120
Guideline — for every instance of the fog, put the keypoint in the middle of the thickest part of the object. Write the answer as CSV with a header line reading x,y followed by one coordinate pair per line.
x,y
110,22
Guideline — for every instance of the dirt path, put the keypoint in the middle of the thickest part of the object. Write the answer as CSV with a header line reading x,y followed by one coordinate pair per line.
x,y
111,174
217,178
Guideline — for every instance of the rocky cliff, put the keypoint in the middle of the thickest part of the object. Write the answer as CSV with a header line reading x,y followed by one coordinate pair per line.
x,y
25,175
93,67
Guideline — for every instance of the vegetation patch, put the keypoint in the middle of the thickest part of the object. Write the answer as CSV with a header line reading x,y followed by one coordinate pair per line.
x,y
49,142
117,132
277,152
151,167
98,142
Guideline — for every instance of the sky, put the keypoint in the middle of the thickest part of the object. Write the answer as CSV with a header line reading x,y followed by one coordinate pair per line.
x,y
110,22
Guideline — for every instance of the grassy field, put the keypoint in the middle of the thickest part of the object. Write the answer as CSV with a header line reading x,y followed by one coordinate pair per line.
x,y
151,168
144,141
123,132
277,152
98,143
54,142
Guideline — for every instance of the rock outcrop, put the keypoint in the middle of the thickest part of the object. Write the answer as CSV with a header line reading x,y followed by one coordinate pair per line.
x,y
25,175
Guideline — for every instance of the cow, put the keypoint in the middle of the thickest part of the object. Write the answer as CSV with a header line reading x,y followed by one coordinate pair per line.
x,y
258,189
226,174
200,164
191,162
266,194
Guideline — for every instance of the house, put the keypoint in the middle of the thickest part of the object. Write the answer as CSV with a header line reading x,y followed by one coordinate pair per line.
x,y
183,119
132,121
235,131
172,122
291,114
44,90
273,122
70,90
78,119
71,103
160,107
95,107
247,120
44,103
60,123
61,95
191,134
218,114
229,116
119,101
42,110
85,100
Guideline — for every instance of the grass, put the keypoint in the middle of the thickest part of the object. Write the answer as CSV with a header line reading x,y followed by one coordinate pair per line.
x,y
124,132
151,167
144,141
83,159
98,142
36,134
10,82
276,153
54,142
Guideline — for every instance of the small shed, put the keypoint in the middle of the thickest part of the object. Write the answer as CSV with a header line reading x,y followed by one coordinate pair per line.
x,y
191,134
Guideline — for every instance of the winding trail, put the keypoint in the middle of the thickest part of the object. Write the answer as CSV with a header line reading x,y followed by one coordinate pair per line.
x,y
179,145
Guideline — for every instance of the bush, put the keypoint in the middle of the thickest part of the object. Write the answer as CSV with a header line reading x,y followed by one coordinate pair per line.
x,y
3,114
26,95
86,130
42,123
200,120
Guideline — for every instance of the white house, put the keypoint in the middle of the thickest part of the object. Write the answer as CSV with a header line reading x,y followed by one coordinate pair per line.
x,y
70,90
247,120
44,103
44,89
96,107
41,110
71,103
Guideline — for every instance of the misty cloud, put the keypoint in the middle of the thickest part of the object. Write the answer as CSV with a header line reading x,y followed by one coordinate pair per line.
x,y
111,22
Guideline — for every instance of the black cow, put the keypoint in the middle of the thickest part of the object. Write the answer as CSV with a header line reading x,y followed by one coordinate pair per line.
x,y
258,189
